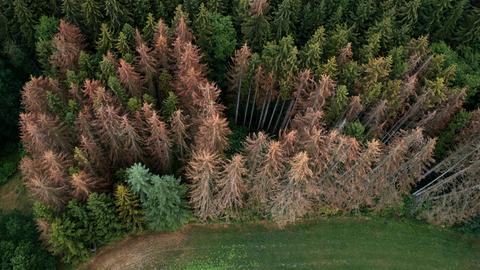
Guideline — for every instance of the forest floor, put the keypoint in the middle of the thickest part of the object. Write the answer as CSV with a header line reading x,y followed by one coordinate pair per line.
x,y
13,195
329,243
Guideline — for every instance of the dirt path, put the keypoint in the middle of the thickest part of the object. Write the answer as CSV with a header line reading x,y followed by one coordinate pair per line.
x,y
135,252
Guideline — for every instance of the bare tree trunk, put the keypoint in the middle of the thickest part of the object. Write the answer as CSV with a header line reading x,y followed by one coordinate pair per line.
x,y
262,111
426,187
265,115
279,116
273,113
253,109
417,106
287,114
248,102
238,100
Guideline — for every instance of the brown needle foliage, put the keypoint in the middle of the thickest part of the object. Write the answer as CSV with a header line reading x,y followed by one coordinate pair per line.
x,y
130,79
203,172
231,186
147,64
41,187
293,199
213,134
109,126
179,128
190,74
84,184
206,100
323,90
452,196
269,175
257,7
34,94
254,148
161,49
67,44
41,132
158,141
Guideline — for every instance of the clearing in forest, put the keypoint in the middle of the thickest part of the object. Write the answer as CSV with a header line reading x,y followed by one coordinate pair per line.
x,y
333,243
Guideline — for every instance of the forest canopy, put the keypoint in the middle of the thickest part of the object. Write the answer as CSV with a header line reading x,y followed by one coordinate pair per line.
x,y
145,115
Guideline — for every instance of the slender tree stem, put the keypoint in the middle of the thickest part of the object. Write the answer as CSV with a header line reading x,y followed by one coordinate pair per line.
x,y
248,102
279,116
273,113
253,108
238,100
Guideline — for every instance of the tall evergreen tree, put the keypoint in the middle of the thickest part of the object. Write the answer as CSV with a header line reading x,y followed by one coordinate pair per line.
x,y
105,40
128,208
286,17
71,10
116,13
92,14
256,26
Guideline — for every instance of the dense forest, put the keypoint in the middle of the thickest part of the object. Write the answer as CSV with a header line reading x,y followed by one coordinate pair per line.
x,y
149,114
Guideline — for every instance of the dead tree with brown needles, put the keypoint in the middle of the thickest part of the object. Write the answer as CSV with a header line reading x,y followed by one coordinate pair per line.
x,y
294,198
231,187
203,172
67,44
268,177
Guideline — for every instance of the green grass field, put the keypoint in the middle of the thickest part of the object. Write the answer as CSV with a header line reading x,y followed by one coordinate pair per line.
x,y
333,243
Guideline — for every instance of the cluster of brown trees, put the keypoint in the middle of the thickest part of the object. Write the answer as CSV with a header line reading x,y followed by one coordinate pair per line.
x,y
306,169
79,130
73,159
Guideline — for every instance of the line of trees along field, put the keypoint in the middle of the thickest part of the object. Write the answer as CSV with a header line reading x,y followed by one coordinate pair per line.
x,y
347,104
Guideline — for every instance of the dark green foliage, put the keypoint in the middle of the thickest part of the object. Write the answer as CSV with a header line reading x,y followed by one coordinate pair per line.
x,y
128,208
337,39
25,18
312,52
467,63
66,110
134,104
472,227
81,226
116,13
286,18
44,31
338,105
105,40
217,39
236,140
19,244
256,30
91,13
10,85
163,198
446,138
140,10
165,206
117,88
86,65
169,105
9,159
138,177
149,28
71,10
282,60
355,129
104,222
